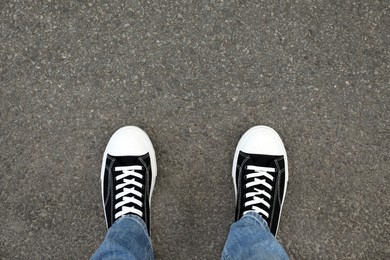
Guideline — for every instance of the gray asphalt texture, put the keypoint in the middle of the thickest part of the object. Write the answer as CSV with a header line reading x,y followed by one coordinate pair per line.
x,y
195,75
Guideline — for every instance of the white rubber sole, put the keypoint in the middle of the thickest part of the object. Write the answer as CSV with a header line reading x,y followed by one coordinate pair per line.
x,y
245,138
152,155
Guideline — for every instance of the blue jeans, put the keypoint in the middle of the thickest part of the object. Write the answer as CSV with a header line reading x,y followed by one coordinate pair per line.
x,y
249,238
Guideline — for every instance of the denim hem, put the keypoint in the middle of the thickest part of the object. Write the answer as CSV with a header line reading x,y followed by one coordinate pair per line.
x,y
128,237
136,219
257,218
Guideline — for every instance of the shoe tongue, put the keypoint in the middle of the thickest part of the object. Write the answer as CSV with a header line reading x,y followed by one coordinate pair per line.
x,y
126,160
262,160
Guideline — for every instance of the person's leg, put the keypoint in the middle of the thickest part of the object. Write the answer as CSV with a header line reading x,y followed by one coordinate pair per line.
x,y
250,238
260,175
128,174
127,238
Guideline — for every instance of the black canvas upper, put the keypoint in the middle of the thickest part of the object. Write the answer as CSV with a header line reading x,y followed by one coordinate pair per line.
x,y
277,162
109,184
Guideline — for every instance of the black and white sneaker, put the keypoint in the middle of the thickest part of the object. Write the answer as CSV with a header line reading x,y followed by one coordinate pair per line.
x,y
260,175
128,174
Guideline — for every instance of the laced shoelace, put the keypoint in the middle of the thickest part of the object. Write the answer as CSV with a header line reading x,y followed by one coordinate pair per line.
x,y
129,195
258,194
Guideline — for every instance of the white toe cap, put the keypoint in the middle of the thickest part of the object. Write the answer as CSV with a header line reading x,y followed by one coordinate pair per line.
x,y
129,141
261,140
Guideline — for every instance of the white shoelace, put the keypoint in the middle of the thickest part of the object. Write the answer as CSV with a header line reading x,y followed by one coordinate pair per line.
x,y
259,172
122,197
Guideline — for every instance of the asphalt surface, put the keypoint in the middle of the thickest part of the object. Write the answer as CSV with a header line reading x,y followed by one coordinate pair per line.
x,y
195,75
